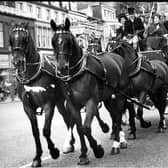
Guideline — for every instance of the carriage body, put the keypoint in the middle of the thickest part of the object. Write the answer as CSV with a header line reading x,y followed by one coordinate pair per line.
x,y
153,55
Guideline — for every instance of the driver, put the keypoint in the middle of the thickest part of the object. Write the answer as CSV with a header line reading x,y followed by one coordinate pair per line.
x,y
134,29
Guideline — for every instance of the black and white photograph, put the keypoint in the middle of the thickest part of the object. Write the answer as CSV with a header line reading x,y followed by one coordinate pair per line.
x,y
83,84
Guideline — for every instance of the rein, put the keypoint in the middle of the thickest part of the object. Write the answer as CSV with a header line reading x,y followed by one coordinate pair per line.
x,y
81,63
23,80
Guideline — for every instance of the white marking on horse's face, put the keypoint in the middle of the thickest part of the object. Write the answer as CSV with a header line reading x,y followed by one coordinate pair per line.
x,y
34,88
16,35
60,40
52,85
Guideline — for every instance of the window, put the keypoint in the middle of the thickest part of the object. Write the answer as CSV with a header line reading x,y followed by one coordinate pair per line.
x,y
10,4
38,12
30,8
39,33
44,37
20,6
56,16
48,14
2,2
1,35
63,17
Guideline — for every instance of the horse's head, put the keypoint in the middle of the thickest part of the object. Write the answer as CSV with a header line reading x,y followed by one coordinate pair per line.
x,y
66,48
18,41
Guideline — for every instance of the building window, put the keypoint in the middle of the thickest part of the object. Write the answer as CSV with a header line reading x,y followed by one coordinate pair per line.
x,y
56,16
44,37
38,12
63,17
1,35
10,4
2,2
39,34
48,14
30,8
20,6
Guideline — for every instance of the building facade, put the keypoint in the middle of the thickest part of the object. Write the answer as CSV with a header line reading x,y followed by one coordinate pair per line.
x,y
9,15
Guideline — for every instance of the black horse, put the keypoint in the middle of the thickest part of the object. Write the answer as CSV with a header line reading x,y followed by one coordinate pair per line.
x,y
88,81
149,77
111,47
37,87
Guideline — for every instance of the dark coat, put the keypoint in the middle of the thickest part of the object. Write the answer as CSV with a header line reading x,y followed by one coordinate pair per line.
x,y
134,27
154,31
120,33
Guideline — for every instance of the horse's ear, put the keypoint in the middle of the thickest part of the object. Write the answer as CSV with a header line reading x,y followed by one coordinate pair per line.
x,y
67,24
53,25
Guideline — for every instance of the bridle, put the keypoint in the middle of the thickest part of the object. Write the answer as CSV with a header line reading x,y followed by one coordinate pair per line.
x,y
21,75
77,66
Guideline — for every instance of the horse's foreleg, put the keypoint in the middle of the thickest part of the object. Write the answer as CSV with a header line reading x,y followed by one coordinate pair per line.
x,y
143,123
83,159
159,101
35,130
68,145
91,110
49,111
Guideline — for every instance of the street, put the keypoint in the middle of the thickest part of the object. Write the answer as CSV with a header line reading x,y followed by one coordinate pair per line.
x,y
150,149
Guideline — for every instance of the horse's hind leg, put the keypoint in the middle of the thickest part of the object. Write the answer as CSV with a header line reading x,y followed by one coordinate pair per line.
x,y
35,130
131,109
68,145
49,111
115,108
143,123
159,101
103,125
91,110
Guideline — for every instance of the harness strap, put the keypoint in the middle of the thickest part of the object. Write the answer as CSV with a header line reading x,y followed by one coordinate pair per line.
x,y
138,67
26,81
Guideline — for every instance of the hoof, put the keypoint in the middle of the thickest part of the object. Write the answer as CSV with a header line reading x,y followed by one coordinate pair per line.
x,y
54,153
132,136
145,124
137,117
83,161
115,151
112,136
124,123
164,127
99,151
160,130
36,163
68,149
123,145
105,128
